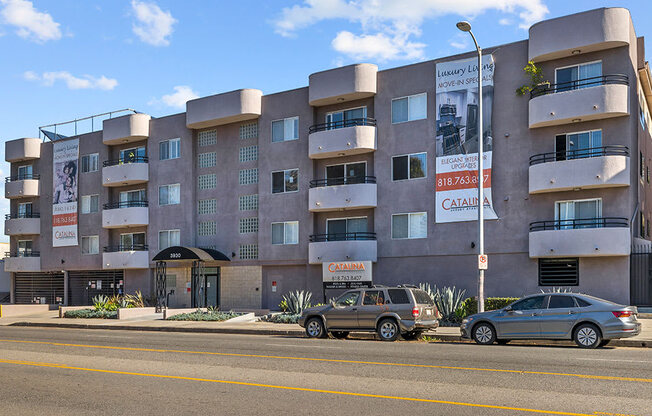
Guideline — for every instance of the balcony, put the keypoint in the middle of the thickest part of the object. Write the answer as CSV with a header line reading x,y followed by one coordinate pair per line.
x,y
22,186
26,261
125,257
342,138
598,167
342,246
593,237
582,100
229,107
22,224
120,172
125,214
22,149
125,129
348,83
580,33
337,194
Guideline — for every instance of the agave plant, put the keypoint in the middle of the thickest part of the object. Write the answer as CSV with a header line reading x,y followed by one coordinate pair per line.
x,y
100,302
448,300
428,289
557,290
136,301
297,301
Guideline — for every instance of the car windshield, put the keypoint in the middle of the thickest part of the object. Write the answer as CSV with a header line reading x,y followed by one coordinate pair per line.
x,y
422,297
535,302
348,299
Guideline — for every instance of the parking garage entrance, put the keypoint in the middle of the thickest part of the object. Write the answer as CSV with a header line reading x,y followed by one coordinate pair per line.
x,y
205,275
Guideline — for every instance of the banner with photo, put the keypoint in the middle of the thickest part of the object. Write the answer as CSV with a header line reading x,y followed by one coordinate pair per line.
x,y
65,156
456,182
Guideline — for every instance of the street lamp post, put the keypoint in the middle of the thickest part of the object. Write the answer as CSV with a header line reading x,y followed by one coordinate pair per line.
x,y
466,27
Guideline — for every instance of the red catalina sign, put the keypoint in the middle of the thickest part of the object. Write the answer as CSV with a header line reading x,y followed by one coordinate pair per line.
x,y
347,274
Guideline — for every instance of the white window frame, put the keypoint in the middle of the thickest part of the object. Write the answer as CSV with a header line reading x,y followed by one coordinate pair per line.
x,y
23,211
25,175
168,237
408,98
132,237
90,156
90,197
82,245
574,201
168,185
271,127
168,141
285,223
409,214
271,176
408,178
578,67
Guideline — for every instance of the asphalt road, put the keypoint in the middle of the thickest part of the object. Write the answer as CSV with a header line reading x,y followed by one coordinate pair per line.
x,y
79,372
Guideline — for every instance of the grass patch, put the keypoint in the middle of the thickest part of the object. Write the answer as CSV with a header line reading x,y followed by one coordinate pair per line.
x,y
91,314
199,315
428,338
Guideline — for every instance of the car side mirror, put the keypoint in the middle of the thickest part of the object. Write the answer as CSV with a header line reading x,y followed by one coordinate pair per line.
x,y
387,302
508,308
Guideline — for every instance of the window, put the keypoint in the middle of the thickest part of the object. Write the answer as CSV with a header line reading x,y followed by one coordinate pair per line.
x,y
24,248
285,130
205,228
248,176
558,272
24,172
89,163
285,232
373,297
422,298
582,303
169,194
207,160
169,149
90,203
285,181
248,225
132,241
249,131
559,301
642,225
208,181
578,214
528,304
412,225
90,244
248,153
25,210
169,238
132,155
346,173
345,228
170,281
134,198
398,296
248,251
348,299
578,76
248,202
413,107
346,118
641,164
577,145
410,166
207,138
206,206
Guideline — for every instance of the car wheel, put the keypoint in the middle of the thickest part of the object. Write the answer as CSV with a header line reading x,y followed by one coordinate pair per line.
x,y
412,335
340,334
315,328
502,341
484,334
388,330
587,336
604,342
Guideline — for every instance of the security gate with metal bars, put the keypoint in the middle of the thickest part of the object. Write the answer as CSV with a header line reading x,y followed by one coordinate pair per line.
x,y
640,288
84,285
45,288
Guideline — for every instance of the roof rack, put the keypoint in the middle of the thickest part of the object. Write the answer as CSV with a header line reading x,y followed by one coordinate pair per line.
x,y
379,286
408,286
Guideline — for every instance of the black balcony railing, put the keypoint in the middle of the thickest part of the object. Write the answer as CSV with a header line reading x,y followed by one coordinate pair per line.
x,y
26,253
125,204
612,150
125,247
359,236
126,160
601,222
545,89
349,180
22,215
343,123
22,177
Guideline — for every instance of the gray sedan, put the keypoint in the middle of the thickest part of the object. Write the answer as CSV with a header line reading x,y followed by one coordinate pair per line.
x,y
589,321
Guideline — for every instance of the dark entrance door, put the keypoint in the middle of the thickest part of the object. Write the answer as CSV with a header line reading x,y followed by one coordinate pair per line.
x,y
205,288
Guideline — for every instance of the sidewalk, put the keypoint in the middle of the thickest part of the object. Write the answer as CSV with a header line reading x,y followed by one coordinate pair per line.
x,y
155,323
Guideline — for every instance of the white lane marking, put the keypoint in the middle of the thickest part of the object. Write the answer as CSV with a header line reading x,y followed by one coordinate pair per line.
x,y
299,346
607,359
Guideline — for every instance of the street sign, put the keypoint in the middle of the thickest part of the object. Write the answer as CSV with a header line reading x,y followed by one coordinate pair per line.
x,y
483,262
347,274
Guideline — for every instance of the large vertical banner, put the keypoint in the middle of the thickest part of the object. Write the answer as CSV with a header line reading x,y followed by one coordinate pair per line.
x,y
456,185
65,158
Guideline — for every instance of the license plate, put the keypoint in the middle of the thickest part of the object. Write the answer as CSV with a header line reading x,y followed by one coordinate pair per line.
x,y
428,312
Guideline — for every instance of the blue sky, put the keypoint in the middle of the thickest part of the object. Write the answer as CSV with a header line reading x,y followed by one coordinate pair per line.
x,y
65,59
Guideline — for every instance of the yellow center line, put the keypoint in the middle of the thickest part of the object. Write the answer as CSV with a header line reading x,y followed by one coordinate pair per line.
x,y
331,360
303,389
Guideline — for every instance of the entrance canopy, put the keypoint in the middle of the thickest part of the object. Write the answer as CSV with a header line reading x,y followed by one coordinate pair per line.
x,y
178,253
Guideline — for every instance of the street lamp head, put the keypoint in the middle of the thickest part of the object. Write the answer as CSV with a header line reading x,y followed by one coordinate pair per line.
x,y
464,26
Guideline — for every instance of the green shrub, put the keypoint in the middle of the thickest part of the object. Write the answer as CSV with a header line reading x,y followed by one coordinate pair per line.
x,y
447,300
283,305
91,313
200,315
297,301
470,305
284,318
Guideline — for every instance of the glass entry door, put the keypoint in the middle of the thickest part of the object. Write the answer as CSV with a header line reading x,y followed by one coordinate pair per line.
x,y
208,292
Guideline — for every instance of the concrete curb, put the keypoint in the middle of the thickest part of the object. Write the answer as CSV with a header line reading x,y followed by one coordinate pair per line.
x,y
300,333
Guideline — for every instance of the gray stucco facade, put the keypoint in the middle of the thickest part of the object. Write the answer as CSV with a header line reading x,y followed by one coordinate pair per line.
x,y
238,128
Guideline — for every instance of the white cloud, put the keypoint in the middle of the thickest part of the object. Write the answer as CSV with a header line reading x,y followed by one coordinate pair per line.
x,y
178,98
154,26
505,21
48,79
388,27
29,22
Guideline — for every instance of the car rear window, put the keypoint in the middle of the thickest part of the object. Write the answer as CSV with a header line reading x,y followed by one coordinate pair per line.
x,y
582,303
398,296
557,301
422,298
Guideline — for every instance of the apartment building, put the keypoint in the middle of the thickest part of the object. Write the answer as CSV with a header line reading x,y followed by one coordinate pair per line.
x,y
255,193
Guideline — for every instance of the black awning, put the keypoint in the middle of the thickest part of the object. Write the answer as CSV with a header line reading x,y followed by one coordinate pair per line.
x,y
178,253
